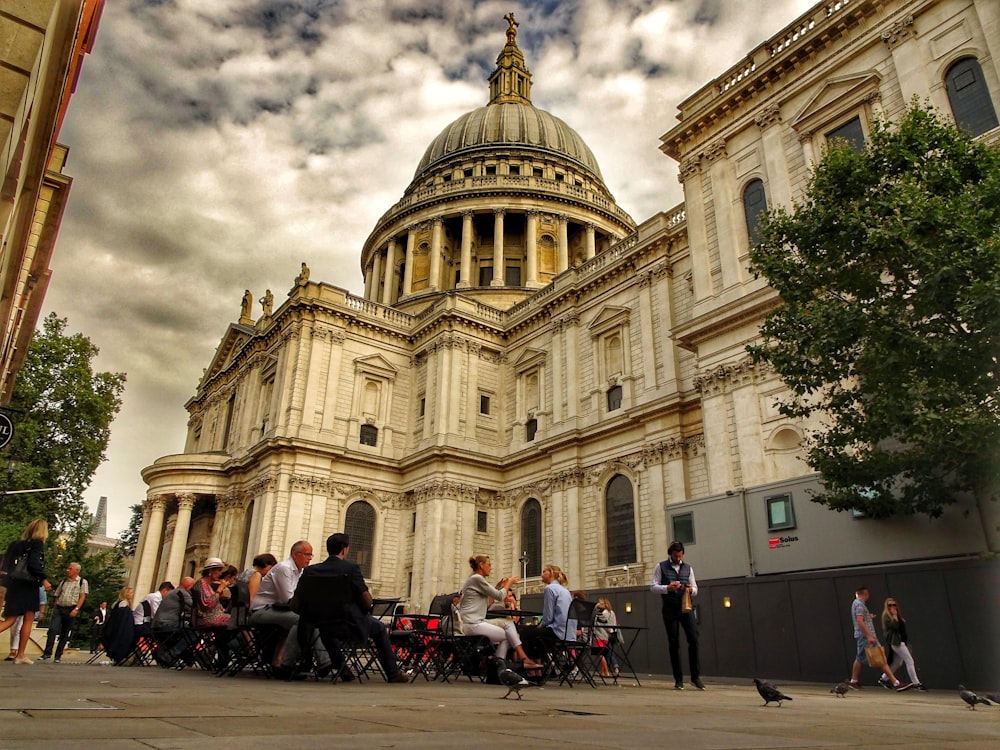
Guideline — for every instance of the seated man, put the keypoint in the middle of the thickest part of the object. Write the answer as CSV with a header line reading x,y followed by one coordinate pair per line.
x,y
270,608
143,614
171,616
358,611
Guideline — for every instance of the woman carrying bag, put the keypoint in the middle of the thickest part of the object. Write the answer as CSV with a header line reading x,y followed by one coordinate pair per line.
x,y
25,573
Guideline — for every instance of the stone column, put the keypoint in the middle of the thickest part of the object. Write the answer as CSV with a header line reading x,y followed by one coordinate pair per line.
x,y
389,275
768,121
436,249
175,561
531,240
591,242
368,282
377,265
808,153
694,206
217,543
498,277
411,239
563,262
728,222
152,532
464,280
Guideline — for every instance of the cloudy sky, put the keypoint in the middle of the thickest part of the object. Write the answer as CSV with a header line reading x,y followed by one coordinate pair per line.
x,y
214,146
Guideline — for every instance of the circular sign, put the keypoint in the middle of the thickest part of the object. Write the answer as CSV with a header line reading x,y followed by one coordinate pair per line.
x,y
6,430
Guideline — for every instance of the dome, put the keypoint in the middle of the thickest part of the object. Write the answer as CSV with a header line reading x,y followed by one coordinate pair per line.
x,y
511,124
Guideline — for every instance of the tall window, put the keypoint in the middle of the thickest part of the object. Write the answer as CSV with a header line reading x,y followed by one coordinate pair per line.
x,y
614,398
531,536
969,97
852,132
359,525
530,430
619,509
754,204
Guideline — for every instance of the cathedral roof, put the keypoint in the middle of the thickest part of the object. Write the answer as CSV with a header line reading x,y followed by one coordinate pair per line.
x,y
509,120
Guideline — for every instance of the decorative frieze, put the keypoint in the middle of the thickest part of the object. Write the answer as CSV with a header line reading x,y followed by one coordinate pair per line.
x,y
767,116
714,151
899,32
717,380
689,167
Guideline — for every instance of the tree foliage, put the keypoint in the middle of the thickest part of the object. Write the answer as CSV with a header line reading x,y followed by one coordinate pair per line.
x,y
62,414
889,331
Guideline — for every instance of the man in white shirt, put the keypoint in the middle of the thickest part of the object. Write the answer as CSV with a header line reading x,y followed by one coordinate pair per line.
x,y
140,616
270,607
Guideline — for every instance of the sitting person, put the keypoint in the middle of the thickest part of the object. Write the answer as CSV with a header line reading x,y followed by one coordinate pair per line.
x,y
119,631
253,575
477,593
605,622
555,623
357,612
171,616
209,597
144,612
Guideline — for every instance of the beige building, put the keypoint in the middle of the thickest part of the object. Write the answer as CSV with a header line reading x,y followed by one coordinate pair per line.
x,y
42,44
530,375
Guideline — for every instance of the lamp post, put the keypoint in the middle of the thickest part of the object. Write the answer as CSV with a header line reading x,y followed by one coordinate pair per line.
x,y
523,559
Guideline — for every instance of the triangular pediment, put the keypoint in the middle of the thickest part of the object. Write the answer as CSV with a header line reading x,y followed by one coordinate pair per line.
x,y
375,363
235,339
610,316
528,358
834,96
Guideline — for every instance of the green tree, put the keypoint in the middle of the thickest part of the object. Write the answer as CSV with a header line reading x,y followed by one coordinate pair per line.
x,y
889,328
62,412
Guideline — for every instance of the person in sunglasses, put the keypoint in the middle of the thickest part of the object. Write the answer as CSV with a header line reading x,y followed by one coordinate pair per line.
x,y
894,630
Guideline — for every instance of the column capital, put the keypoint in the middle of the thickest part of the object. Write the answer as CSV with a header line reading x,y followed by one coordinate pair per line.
x,y
899,32
499,211
156,502
186,501
468,213
769,115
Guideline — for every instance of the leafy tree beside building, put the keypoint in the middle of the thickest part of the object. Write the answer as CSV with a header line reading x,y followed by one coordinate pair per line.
x,y
888,335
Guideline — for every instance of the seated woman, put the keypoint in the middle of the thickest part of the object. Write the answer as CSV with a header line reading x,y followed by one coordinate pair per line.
x,y
555,624
119,631
210,595
477,594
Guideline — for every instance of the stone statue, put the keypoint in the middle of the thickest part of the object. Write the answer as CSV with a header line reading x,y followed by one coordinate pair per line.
x,y
303,278
246,307
511,27
267,302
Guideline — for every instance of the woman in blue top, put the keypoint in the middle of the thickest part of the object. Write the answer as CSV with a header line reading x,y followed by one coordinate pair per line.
x,y
22,596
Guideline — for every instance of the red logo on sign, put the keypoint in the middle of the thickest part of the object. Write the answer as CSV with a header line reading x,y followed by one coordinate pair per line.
x,y
773,543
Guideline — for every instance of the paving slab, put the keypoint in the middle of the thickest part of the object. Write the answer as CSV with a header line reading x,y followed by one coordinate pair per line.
x,y
123,708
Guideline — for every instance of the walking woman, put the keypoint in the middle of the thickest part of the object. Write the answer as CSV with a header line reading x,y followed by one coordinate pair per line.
x,y
894,630
22,596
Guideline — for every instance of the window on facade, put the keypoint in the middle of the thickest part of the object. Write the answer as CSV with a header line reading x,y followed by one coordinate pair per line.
x,y
359,525
682,528
754,204
413,523
482,521
531,536
423,406
468,173
530,429
491,169
368,434
619,510
537,172
485,275
780,513
484,404
614,398
851,132
512,276
970,97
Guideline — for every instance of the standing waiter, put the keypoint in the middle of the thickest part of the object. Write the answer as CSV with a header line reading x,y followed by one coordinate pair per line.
x,y
672,579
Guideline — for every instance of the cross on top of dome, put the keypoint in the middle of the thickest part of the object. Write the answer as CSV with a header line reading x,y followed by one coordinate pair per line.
x,y
511,81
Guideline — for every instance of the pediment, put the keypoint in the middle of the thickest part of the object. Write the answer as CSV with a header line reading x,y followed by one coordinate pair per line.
x,y
375,364
608,318
528,358
834,97
233,342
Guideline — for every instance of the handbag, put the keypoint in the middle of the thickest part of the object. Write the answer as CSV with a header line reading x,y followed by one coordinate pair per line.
x,y
19,573
875,656
686,605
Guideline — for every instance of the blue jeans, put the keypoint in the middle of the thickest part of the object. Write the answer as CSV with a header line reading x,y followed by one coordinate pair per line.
x,y
61,626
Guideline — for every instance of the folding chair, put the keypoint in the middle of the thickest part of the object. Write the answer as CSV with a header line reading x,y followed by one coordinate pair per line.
x,y
572,655
322,604
252,648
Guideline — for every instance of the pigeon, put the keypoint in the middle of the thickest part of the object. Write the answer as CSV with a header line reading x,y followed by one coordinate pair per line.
x,y
508,677
995,697
840,690
971,698
769,692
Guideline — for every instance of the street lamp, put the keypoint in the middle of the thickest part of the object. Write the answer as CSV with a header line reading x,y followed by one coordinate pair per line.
x,y
523,559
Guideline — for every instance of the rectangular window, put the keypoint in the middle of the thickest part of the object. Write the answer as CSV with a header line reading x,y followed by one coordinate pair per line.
x,y
491,169
368,434
423,406
413,523
682,525
530,428
485,275
615,398
512,276
851,132
484,404
780,513
482,521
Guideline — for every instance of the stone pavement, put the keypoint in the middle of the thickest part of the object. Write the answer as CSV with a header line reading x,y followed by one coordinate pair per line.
x,y
55,705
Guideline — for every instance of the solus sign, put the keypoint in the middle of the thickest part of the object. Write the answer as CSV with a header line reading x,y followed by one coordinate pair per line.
x,y
6,430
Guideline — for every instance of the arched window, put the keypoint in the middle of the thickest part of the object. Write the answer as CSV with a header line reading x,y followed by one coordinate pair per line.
x,y
531,536
754,203
359,525
969,97
619,510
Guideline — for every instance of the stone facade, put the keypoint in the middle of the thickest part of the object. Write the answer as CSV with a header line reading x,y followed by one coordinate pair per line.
x,y
564,405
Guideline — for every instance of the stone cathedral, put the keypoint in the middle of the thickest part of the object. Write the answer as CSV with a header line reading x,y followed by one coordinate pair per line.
x,y
530,374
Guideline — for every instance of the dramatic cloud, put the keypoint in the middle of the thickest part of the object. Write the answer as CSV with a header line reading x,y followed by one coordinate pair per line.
x,y
215,146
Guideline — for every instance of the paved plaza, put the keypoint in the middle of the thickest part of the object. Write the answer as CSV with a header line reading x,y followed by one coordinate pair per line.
x,y
55,705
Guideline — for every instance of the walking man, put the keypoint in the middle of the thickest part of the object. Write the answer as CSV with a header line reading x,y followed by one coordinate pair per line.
x,y
672,578
68,601
864,635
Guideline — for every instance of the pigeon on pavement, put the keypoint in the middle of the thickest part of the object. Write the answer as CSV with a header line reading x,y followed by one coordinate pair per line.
x,y
769,692
508,677
840,689
971,698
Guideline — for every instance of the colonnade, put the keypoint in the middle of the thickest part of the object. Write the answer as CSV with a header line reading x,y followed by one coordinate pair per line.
x,y
379,275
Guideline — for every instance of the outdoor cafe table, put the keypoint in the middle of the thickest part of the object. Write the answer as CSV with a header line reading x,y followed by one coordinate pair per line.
x,y
622,639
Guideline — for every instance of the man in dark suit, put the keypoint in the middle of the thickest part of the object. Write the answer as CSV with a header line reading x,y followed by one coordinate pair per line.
x,y
358,610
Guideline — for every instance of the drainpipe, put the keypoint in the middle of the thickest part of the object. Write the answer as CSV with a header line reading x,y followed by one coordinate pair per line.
x,y
751,566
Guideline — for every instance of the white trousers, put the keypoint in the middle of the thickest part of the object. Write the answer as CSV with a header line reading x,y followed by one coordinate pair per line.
x,y
505,637
901,655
